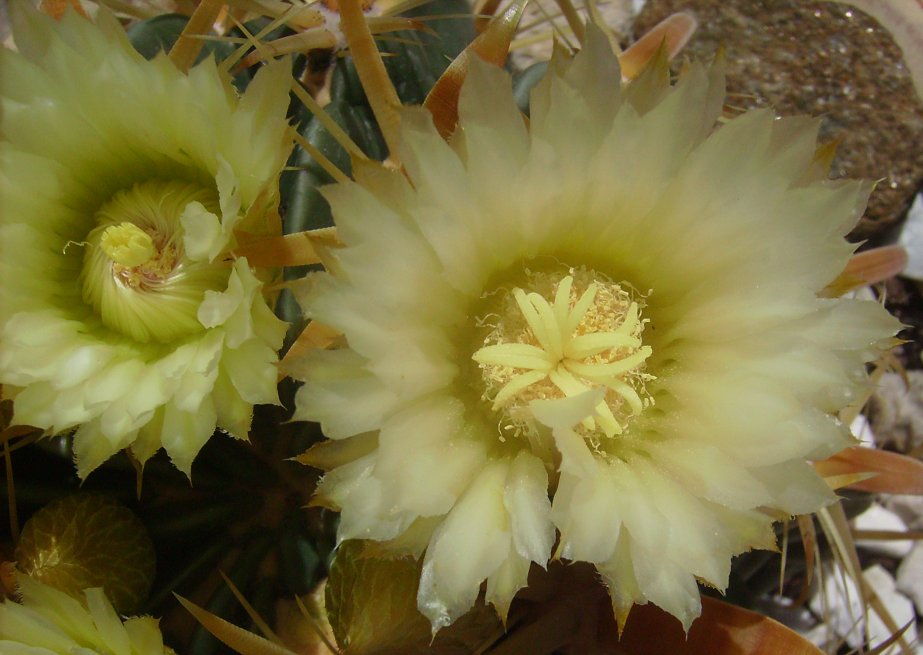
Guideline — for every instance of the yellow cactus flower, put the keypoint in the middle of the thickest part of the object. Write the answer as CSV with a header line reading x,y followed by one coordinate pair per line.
x,y
599,329
125,185
49,622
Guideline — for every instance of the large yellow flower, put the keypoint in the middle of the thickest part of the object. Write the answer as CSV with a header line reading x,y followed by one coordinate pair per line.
x,y
49,622
124,185
603,325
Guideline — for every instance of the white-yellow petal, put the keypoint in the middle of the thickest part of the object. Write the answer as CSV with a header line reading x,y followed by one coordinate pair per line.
x,y
122,194
526,500
626,314
470,545
49,622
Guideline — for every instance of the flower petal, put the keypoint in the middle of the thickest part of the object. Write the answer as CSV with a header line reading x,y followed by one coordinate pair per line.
x,y
470,545
526,500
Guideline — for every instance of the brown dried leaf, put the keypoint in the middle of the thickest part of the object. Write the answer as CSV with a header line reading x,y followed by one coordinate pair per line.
x,y
673,32
296,249
492,46
868,267
896,473
722,629
819,168
316,335
327,455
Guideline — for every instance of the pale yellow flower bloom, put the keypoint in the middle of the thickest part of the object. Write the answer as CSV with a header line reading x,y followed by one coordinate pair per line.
x,y
49,622
123,185
601,329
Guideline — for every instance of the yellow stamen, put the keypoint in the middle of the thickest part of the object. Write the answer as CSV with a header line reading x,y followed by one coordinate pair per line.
x,y
127,244
559,340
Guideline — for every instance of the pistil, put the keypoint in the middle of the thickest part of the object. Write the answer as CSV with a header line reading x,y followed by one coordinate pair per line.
x,y
566,344
140,258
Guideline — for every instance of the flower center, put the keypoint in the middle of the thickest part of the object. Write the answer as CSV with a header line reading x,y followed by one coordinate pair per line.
x,y
137,261
135,273
127,244
560,336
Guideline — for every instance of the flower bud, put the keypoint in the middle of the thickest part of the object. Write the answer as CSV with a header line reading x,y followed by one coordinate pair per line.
x,y
89,540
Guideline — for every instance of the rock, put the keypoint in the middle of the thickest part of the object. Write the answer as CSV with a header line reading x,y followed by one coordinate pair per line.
x,y
897,411
862,431
909,508
823,59
904,299
784,610
912,239
841,609
910,576
877,517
